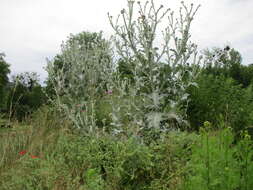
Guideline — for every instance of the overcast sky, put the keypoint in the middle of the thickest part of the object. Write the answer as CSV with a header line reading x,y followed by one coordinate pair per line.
x,y
32,30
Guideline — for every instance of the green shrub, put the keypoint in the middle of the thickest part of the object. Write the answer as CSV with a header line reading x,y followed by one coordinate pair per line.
x,y
26,95
219,98
217,163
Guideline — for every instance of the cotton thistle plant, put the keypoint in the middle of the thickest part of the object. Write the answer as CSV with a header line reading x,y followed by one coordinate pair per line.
x,y
85,73
137,39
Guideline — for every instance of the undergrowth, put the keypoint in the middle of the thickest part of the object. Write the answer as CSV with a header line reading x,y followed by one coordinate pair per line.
x,y
43,156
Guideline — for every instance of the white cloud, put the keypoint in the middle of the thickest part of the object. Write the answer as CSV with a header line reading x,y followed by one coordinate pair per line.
x,y
32,30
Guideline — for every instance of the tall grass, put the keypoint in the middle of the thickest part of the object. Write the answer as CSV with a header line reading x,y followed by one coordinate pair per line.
x,y
220,161
46,155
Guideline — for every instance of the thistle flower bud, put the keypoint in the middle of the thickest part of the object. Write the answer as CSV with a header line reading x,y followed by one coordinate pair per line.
x,y
227,48
122,11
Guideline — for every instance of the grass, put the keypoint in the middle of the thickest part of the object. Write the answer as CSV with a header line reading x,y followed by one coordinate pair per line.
x,y
37,138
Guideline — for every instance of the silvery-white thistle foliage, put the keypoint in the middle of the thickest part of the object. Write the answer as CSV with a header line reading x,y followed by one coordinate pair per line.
x,y
137,39
85,72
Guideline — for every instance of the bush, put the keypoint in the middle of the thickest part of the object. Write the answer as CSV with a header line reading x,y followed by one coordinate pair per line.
x,y
26,95
217,163
219,98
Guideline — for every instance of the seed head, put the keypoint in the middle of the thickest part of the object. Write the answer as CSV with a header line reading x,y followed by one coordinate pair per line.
x,y
122,11
227,48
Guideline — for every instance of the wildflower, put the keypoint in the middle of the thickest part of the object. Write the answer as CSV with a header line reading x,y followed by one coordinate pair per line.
x,y
34,157
109,92
23,152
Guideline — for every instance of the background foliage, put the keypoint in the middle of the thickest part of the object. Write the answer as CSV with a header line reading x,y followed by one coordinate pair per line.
x,y
4,71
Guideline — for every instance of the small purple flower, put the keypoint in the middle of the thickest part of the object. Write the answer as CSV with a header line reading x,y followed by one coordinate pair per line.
x,y
109,92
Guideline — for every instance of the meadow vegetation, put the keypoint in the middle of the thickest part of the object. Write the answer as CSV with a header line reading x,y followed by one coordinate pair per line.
x,y
144,110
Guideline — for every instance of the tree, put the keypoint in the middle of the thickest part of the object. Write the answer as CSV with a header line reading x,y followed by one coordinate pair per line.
x,y
26,95
228,62
224,91
4,71
217,99
246,73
